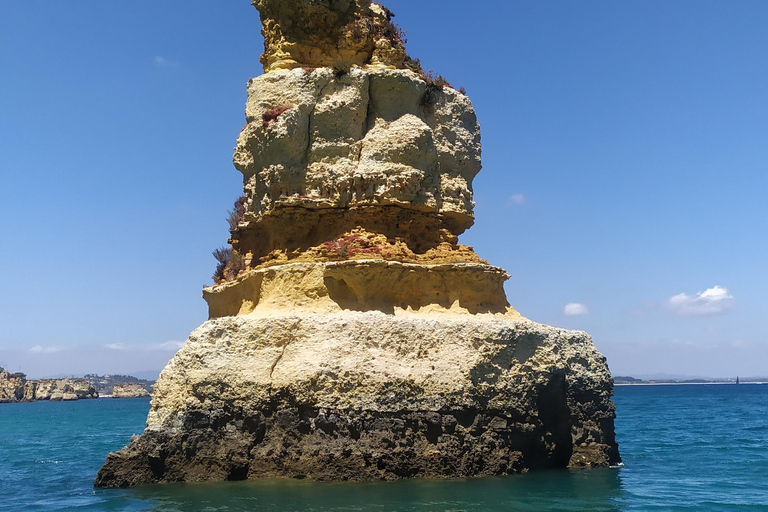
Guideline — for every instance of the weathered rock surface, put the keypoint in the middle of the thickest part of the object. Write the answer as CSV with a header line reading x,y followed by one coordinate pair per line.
x,y
361,395
351,336
328,33
129,390
363,285
380,149
16,388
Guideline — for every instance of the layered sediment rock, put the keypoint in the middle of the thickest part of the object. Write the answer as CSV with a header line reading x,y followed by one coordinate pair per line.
x,y
350,335
324,153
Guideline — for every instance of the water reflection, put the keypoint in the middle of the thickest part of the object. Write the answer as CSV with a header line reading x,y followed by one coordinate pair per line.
x,y
592,490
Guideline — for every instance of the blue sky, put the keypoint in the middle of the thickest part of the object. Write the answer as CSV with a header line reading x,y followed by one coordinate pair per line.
x,y
625,153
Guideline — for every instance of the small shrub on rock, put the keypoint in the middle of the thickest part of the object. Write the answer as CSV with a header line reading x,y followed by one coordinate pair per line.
x,y
230,264
436,83
435,80
414,65
362,28
348,246
236,215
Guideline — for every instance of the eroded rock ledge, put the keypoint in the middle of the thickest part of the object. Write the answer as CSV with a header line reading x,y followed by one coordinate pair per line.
x,y
363,285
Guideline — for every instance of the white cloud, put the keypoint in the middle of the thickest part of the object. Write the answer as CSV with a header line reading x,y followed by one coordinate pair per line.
x,y
150,347
39,349
713,301
576,309
518,199
164,63
168,345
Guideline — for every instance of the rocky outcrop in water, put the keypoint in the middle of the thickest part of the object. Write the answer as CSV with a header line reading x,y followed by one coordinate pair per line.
x,y
351,336
16,388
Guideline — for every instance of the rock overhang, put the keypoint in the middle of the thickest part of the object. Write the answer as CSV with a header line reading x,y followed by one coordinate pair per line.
x,y
364,285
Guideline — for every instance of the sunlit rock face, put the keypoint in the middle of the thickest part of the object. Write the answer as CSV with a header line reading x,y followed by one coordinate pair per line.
x,y
351,336
375,137
328,33
319,142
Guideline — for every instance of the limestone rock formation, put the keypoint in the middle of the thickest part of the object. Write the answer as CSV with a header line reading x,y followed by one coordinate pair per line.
x,y
16,388
62,389
350,335
129,390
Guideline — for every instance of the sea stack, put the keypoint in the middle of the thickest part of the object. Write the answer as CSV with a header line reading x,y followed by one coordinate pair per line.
x,y
351,336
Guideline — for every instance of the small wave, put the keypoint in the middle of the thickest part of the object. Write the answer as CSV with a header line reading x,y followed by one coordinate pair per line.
x,y
49,461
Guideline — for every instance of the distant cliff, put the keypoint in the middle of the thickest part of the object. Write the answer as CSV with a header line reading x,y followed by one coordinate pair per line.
x,y
14,387
11,386
129,390
105,384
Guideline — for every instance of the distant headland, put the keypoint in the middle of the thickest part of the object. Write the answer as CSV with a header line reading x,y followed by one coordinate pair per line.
x,y
15,387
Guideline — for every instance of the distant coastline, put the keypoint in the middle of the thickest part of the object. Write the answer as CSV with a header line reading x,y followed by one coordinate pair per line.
x,y
15,388
633,381
654,383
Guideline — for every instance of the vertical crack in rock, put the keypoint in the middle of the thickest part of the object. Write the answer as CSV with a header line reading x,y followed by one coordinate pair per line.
x,y
282,353
370,120
290,337
406,358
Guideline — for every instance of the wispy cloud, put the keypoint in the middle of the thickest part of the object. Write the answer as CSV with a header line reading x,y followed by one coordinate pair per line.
x,y
164,63
576,309
168,345
149,347
645,308
39,349
714,301
518,199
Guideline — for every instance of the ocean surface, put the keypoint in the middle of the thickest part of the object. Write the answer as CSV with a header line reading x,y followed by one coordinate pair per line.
x,y
685,448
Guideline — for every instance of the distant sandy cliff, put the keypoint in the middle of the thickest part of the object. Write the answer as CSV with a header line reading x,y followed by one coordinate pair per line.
x,y
129,390
351,336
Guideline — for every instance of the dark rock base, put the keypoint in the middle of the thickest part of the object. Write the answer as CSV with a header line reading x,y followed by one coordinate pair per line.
x,y
304,442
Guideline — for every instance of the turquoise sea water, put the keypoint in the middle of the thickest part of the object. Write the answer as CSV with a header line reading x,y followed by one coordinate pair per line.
x,y
685,448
